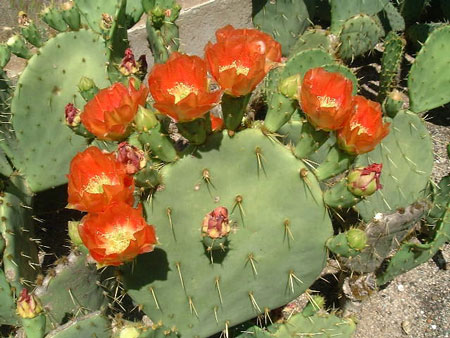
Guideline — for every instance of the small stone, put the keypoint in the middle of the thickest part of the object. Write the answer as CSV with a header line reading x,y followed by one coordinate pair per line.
x,y
406,327
400,288
433,327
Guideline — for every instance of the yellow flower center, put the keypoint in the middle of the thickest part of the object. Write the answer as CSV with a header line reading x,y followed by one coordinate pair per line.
x,y
118,239
181,90
327,102
95,185
238,66
361,128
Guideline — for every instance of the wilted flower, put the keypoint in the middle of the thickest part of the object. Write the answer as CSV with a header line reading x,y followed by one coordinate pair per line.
x,y
72,114
180,88
216,223
132,157
241,58
364,181
28,306
364,129
326,98
96,180
117,235
109,114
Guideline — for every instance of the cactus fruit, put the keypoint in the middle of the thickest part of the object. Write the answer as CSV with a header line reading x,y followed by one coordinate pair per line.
x,y
195,290
427,92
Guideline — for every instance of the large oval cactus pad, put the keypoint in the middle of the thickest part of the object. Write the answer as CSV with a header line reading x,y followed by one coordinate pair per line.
x,y
47,84
407,158
276,247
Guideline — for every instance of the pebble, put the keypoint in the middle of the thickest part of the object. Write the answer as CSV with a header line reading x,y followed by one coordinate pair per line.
x,y
400,288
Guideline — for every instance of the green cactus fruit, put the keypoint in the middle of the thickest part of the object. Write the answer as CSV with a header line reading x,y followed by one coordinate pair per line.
x,y
290,86
393,103
71,15
406,171
285,20
17,46
34,327
428,91
71,287
233,109
94,324
159,143
313,38
87,88
145,119
281,108
31,33
54,18
358,35
411,254
20,261
200,293
5,55
339,196
31,313
342,10
390,64
356,238
339,245
391,18
38,158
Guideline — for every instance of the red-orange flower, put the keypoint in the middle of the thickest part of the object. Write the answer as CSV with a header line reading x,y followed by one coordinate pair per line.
x,y
117,235
241,58
109,114
326,98
180,88
96,180
364,129
216,122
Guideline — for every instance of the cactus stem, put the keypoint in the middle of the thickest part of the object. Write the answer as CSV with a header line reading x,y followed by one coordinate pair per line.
x,y
260,159
178,265
169,215
251,259
215,314
154,297
216,282
254,303
192,307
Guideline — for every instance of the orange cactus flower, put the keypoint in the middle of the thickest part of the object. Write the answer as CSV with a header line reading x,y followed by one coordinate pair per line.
x,y
216,122
326,98
109,114
241,58
96,180
117,235
180,88
364,129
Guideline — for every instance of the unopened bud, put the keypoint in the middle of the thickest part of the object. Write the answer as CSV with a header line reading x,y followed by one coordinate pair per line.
x,y
74,235
356,239
129,332
132,157
72,115
145,119
364,181
28,306
290,87
216,228
86,84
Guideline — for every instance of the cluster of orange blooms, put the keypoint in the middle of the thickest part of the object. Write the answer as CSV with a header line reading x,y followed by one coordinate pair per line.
x,y
114,231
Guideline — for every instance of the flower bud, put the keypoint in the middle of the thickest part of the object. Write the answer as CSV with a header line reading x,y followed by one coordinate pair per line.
x,y
129,332
73,233
72,115
132,157
86,84
28,306
364,181
290,87
356,239
215,228
145,119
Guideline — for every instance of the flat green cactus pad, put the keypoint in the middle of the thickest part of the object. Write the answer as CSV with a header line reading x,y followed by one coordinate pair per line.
x,y
406,170
92,325
430,75
276,246
46,145
7,303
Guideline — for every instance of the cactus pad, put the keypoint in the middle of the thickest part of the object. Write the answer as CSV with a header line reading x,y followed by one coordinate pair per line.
x,y
46,144
429,76
405,172
91,325
275,251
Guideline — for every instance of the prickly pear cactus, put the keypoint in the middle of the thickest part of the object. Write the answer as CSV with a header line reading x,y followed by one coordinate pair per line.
x,y
260,183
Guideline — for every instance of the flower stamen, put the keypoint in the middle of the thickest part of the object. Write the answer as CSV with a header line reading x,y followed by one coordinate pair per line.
x,y
361,128
238,66
96,183
118,239
327,102
181,91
